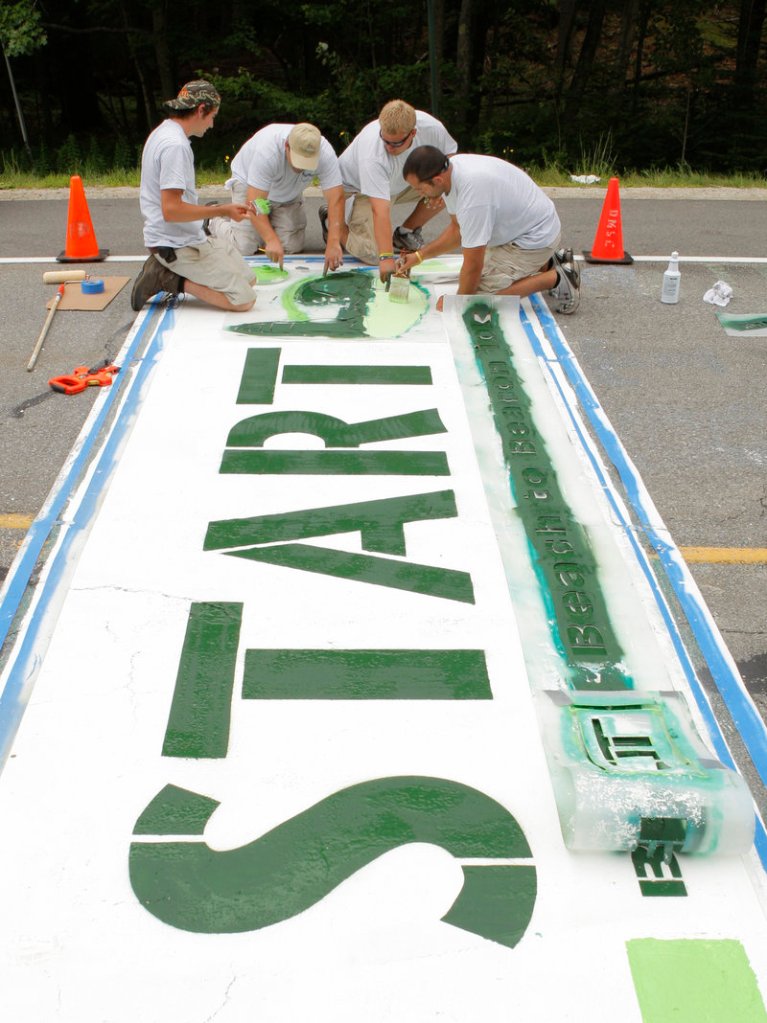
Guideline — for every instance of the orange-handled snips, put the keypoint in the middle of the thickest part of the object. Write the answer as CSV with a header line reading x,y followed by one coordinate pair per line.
x,y
82,377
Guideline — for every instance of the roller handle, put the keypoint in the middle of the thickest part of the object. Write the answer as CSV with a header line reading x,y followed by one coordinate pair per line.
x,y
44,331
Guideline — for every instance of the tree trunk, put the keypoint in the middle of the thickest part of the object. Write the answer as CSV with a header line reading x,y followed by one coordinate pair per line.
x,y
750,26
161,50
464,62
567,10
586,57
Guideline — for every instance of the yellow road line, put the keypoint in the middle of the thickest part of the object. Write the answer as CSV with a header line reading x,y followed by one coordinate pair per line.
x,y
693,555
725,555
14,521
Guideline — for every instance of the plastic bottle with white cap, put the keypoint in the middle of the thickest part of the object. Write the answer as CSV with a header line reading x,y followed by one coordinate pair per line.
x,y
672,280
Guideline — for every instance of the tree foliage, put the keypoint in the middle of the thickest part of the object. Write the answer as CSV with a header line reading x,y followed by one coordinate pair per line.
x,y
665,81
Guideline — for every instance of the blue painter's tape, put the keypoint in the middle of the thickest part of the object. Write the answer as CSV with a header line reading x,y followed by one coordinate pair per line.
x,y
749,724
11,705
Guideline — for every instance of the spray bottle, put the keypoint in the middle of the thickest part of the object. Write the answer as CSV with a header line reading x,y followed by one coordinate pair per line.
x,y
671,281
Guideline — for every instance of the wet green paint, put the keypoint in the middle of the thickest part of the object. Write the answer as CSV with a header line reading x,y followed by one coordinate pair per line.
x,y
270,274
336,463
397,376
259,376
658,873
694,981
365,675
559,545
176,811
254,431
192,887
362,309
381,527
198,723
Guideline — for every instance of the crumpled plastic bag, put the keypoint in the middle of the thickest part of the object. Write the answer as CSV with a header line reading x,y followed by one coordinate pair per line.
x,y
585,179
720,294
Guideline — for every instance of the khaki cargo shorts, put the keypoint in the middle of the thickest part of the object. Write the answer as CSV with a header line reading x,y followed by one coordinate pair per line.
x,y
216,264
505,264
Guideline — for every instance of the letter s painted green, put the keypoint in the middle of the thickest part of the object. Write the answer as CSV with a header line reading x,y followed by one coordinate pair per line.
x,y
188,885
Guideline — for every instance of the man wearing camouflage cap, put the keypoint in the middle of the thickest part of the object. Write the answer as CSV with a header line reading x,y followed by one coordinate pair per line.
x,y
269,174
183,258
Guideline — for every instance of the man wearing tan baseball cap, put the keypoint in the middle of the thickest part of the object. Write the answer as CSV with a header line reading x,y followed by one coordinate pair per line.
x,y
269,175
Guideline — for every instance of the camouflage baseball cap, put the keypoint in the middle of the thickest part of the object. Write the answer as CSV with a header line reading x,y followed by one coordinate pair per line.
x,y
194,93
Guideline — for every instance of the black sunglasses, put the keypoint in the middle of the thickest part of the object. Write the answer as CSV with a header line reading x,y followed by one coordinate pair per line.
x,y
395,145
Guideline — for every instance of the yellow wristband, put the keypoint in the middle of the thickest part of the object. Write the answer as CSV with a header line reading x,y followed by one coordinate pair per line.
x,y
418,255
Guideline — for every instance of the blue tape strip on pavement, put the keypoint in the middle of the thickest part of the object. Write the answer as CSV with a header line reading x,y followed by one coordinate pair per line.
x,y
11,708
749,724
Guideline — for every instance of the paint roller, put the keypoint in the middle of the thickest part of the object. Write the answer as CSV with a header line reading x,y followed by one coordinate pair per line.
x,y
89,285
63,276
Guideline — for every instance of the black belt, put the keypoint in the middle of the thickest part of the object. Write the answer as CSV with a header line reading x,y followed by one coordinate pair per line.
x,y
167,253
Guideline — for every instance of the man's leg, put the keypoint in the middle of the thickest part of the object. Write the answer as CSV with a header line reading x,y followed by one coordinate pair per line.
x,y
216,273
360,239
289,222
241,234
509,270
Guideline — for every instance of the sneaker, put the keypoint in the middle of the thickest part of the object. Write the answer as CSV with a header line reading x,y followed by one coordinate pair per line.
x,y
206,222
323,215
406,241
152,278
566,293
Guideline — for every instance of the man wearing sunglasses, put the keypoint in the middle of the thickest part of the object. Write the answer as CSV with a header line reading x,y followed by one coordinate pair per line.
x,y
371,168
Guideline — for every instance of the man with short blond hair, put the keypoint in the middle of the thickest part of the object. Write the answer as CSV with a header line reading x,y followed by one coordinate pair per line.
x,y
182,258
269,175
371,168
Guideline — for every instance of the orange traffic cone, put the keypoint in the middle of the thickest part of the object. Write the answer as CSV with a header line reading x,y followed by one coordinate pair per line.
x,y
608,241
81,245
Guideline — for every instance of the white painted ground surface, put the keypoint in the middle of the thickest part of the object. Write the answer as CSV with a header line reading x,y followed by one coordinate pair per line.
x,y
76,945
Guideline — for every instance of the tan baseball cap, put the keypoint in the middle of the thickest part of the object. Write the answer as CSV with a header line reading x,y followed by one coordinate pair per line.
x,y
304,143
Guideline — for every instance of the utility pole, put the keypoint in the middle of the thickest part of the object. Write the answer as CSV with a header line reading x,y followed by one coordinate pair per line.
x,y
19,111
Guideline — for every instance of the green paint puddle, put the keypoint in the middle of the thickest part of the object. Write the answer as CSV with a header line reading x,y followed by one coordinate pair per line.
x,y
270,275
362,309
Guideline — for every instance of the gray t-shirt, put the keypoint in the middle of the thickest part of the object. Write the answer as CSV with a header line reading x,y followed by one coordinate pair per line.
x,y
262,163
496,203
367,166
168,162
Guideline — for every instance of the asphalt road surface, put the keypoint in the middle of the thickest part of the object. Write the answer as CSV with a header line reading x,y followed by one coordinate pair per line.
x,y
687,400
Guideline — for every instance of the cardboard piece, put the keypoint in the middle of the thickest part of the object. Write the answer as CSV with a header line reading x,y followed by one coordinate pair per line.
x,y
73,297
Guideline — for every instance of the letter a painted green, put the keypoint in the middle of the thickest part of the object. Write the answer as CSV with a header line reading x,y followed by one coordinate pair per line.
x,y
381,527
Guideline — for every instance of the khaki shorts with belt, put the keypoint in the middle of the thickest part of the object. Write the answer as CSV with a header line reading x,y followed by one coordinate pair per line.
x,y
216,264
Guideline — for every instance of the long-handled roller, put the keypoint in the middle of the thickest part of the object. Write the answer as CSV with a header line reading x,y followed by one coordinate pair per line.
x,y
46,327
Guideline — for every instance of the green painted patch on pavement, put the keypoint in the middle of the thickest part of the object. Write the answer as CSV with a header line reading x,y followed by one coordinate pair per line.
x,y
357,375
365,675
198,723
694,981
259,377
